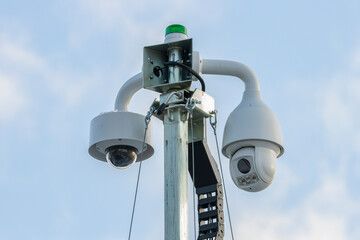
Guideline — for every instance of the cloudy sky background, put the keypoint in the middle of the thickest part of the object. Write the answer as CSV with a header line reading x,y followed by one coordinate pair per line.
x,y
62,63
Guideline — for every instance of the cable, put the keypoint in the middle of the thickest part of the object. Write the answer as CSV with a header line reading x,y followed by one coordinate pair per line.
x,y
173,63
147,121
162,107
193,167
213,125
189,106
133,210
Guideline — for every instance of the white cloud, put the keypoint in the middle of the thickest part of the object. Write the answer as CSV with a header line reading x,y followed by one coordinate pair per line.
x,y
16,55
145,20
19,59
112,12
12,99
130,20
71,88
341,108
292,179
64,218
324,214
355,60
105,11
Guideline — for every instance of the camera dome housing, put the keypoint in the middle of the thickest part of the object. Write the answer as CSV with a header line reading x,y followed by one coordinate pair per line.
x,y
253,168
252,133
121,156
123,132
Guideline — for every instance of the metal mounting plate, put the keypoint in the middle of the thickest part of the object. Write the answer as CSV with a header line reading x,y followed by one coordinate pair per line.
x,y
206,105
155,74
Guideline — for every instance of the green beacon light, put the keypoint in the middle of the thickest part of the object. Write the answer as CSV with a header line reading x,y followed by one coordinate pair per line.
x,y
175,28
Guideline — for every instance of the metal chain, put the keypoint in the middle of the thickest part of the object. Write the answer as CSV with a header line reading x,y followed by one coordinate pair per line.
x,y
147,121
213,125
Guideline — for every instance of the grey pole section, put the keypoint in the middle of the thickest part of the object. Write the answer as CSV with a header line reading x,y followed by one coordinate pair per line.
x,y
176,174
176,163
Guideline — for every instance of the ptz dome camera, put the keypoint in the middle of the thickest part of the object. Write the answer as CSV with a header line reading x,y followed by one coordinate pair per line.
x,y
252,141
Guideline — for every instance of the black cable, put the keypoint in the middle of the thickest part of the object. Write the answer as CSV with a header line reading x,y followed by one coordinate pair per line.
x,y
172,63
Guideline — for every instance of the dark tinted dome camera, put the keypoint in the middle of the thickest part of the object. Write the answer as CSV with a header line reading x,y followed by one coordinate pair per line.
x,y
121,156
118,138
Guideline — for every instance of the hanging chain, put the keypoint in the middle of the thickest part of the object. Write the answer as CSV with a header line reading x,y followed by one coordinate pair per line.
x,y
189,106
213,124
147,121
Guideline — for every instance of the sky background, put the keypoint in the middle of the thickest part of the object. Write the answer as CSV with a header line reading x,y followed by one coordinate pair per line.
x,y
63,62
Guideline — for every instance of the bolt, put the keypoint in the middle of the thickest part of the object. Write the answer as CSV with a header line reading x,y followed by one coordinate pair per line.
x,y
178,95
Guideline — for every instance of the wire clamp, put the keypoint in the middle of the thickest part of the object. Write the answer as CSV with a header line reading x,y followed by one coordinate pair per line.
x,y
190,104
213,119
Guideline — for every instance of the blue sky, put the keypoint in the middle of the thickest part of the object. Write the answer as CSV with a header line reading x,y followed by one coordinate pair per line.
x,y
62,63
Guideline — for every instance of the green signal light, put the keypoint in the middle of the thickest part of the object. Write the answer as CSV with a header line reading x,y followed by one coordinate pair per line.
x,y
176,28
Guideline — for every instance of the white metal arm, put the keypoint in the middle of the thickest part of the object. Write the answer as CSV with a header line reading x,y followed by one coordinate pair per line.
x,y
231,68
208,66
126,92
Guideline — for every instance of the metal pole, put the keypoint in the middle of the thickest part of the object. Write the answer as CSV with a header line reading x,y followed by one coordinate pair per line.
x,y
176,164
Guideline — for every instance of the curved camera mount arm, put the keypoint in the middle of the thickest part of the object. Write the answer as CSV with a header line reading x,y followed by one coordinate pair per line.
x,y
231,68
126,92
207,66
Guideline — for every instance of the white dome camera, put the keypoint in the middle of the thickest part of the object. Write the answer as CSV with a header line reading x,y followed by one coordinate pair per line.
x,y
252,141
118,138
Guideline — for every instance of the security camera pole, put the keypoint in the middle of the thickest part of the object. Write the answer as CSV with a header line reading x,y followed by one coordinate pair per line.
x,y
168,69
252,135
176,161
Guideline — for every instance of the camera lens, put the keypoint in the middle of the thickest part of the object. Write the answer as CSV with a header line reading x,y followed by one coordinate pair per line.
x,y
121,157
244,165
